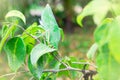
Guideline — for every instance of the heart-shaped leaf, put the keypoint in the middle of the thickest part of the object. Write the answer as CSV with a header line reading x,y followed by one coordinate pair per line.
x,y
16,52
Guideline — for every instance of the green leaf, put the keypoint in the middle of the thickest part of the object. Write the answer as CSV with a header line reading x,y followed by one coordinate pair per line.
x,y
51,62
36,70
38,51
114,40
107,65
101,33
6,35
16,52
79,20
62,34
4,30
91,52
115,4
50,25
94,8
33,30
107,37
15,13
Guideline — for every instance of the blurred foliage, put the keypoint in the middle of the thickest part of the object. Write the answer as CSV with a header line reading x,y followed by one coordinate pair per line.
x,y
99,9
106,36
65,10
76,44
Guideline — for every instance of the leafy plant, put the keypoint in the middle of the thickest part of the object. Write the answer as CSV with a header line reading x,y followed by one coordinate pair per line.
x,y
37,48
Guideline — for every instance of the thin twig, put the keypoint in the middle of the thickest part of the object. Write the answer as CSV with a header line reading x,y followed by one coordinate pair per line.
x,y
9,74
13,77
65,69
81,77
56,57
31,78
85,63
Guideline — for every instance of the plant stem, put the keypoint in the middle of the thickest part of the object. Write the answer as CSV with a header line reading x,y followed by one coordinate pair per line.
x,y
85,63
9,74
52,70
13,77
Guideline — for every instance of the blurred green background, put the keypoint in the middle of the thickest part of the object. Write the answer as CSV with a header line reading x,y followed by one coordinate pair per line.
x,y
77,40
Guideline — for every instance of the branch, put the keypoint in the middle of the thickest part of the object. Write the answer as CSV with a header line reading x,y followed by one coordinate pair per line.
x,y
13,77
54,71
9,74
65,69
70,69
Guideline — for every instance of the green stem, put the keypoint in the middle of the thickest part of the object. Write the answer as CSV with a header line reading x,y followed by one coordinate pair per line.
x,y
6,36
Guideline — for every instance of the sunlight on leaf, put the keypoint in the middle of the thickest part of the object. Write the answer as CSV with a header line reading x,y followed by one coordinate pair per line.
x,y
34,30
50,25
114,43
62,34
91,52
38,51
15,13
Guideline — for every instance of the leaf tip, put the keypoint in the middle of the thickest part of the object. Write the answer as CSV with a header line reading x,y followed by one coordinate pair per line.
x,y
79,20
15,13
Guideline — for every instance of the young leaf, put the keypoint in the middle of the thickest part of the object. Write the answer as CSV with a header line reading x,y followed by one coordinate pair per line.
x,y
33,30
51,27
91,52
15,13
38,51
16,52
94,8
36,70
